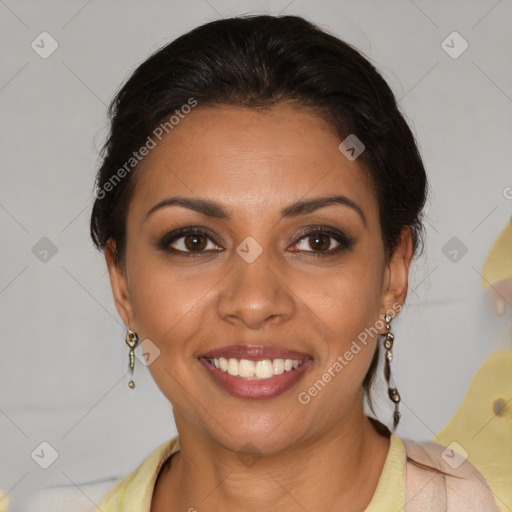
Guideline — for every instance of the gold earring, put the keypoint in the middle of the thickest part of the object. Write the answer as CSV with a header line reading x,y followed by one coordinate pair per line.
x,y
393,394
131,340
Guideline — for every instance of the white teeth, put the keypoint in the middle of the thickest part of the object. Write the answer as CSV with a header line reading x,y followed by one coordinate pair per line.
x,y
245,368
233,367
263,369
278,366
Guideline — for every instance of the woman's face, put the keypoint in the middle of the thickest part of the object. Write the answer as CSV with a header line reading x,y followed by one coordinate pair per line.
x,y
262,283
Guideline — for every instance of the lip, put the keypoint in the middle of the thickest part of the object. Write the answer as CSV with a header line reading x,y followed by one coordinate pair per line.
x,y
255,352
255,389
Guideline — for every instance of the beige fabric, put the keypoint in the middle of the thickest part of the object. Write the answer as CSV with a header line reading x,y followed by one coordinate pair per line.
x,y
435,492
425,490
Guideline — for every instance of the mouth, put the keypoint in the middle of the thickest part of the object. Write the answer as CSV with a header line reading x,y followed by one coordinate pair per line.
x,y
255,372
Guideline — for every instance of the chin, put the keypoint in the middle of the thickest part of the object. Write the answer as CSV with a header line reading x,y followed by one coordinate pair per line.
x,y
267,434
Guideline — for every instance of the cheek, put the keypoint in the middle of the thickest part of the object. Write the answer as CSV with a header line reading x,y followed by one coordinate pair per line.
x,y
345,300
346,315
345,308
165,301
169,310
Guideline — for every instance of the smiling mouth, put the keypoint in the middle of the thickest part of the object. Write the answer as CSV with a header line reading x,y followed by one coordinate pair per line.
x,y
256,379
255,370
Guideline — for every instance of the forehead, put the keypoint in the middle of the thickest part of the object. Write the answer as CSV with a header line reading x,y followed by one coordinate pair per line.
x,y
251,160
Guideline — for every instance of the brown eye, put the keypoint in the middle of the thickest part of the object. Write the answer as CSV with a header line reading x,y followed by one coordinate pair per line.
x,y
194,242
319,242
324,242
188,240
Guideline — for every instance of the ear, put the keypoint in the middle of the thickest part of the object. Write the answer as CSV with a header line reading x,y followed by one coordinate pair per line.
x,y
119,285
396,276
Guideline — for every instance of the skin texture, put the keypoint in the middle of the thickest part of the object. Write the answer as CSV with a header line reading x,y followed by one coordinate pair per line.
x,y
325,454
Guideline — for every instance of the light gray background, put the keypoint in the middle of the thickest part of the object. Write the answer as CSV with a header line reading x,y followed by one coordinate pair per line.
x,y
63,362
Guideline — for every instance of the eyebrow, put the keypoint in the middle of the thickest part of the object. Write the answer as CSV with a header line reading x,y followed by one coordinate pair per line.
x,y
216,210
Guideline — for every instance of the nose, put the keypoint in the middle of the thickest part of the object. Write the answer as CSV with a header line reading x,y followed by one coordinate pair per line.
x,y
256,293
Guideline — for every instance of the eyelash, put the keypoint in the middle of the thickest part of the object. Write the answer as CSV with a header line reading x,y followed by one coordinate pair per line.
x,y
346,242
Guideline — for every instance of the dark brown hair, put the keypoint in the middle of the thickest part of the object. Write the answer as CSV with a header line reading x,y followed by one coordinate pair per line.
x,y
257,62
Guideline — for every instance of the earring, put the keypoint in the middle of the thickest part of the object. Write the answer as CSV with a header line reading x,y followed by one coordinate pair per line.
x,y
131,340
394,396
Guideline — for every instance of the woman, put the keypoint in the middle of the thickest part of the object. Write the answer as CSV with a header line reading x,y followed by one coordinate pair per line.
x,y
259,204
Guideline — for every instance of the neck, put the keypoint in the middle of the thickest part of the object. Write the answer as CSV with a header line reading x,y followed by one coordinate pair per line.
x,y
340,467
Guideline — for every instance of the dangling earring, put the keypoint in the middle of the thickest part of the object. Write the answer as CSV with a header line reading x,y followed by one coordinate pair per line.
x,y
388,357
131,340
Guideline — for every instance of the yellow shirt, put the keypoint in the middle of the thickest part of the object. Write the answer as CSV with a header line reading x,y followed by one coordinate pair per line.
x,y
482,426
134,492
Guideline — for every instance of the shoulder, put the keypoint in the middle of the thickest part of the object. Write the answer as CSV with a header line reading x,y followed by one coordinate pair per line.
x,y
132,492
63,498
137,487
437,476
